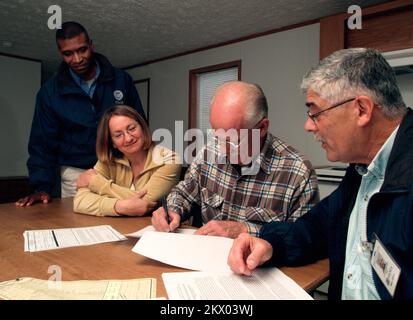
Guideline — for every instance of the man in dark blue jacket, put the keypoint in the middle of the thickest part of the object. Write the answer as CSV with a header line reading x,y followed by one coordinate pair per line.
x,y
365,227
68,108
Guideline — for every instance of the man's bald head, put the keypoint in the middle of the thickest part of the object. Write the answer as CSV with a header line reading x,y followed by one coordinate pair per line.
x,y
237,105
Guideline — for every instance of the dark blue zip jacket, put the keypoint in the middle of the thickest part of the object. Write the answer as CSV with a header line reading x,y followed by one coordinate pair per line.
x,y
322,232
65,121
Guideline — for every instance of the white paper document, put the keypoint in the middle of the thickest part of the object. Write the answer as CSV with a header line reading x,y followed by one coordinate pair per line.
x,y
30,288
194,252
140,233
264,284
39,240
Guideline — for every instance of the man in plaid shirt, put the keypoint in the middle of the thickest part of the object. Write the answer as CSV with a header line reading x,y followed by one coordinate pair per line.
x,y
236,196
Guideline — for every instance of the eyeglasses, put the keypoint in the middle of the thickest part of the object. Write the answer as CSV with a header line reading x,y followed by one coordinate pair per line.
x,y
221,142
313,116
131,130
224,140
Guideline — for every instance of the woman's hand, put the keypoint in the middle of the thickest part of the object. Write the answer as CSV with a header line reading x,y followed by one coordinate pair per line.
x,y
135,206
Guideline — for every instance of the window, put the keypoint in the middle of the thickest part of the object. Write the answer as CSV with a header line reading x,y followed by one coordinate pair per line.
x,y
402,63
203,83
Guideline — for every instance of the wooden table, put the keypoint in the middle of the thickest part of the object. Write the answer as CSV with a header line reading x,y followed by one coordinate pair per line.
x,y
113,260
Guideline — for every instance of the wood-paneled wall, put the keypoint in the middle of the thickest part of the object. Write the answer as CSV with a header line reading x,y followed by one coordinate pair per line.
x,y
386,27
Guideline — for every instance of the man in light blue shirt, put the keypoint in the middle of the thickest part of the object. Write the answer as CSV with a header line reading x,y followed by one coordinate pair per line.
x,y
358,281
88,86
365,227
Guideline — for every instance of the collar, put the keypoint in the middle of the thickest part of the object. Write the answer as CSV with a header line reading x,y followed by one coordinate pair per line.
x,y
265,159
259,161
256,163
155,158
399,170
378,165
66,83
79,81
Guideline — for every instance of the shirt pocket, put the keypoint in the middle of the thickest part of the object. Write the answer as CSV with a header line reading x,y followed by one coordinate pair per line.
x,y
211,203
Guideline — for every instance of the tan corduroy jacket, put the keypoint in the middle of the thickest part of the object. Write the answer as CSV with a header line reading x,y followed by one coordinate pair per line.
x,y
113,182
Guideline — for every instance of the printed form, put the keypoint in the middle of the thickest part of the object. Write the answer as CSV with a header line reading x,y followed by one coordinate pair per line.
x,y
30,288
264,284
40,240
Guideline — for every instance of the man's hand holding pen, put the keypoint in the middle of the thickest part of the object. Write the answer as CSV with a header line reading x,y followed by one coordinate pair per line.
x,y
165,208
164,219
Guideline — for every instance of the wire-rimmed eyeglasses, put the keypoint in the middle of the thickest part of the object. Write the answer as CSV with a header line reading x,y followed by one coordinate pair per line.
x,y
229,137
313,116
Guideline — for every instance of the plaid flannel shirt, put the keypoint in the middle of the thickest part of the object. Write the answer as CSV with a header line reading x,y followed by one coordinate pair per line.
x,y
284,189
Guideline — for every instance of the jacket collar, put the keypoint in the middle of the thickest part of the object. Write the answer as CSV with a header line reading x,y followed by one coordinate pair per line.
x,y
66,84
399,171
149,163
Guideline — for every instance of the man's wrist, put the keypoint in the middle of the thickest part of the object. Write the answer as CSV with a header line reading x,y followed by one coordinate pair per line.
x,y
42,192
175,209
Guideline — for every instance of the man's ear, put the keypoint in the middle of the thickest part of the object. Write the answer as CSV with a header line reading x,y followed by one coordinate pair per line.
x,y
265,123
365,107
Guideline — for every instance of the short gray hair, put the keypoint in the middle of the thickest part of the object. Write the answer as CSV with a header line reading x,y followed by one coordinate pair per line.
x,y
357,71
257,104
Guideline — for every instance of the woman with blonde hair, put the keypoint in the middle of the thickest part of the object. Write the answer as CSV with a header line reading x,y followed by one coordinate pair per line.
x,y
132,173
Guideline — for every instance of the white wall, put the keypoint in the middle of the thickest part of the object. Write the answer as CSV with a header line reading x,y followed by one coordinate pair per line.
x,y
405,82
19,83
277,62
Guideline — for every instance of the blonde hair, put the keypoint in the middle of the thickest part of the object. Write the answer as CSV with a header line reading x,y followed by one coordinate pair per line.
x,y
105,151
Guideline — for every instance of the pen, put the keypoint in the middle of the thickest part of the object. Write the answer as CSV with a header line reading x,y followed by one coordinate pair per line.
x,y
165,207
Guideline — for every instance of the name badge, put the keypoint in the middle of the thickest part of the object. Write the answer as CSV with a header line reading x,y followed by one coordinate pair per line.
x,y
385,266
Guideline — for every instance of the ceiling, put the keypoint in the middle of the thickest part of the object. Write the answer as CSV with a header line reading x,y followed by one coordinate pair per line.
x,y
136,31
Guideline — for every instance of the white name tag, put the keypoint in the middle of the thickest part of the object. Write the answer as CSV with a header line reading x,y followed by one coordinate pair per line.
x,y
386,268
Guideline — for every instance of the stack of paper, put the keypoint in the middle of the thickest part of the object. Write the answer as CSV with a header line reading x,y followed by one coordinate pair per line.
x,y
30,288
264,284
39,240
209,255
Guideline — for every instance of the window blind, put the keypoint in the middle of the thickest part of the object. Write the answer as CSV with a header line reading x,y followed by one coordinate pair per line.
x,y
207,84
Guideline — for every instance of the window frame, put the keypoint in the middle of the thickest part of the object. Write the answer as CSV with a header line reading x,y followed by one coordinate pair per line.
x,y
193,86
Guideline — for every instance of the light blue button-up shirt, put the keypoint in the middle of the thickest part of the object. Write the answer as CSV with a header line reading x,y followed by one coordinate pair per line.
x,y
87,86
358,280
